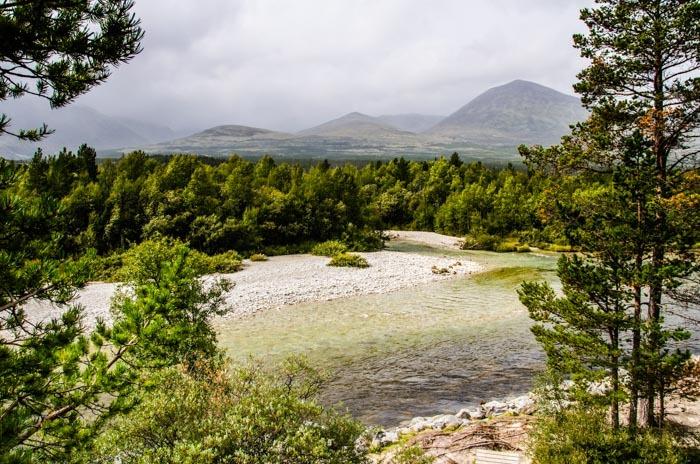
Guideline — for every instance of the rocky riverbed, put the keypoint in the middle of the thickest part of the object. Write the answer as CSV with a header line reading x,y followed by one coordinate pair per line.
x,y
285,280
291,279
454,438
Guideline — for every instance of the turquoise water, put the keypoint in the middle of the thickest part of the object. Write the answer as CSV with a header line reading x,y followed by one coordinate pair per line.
x,y
419,351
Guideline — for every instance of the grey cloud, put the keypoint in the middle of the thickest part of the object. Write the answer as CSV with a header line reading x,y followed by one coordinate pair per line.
x,y
288,65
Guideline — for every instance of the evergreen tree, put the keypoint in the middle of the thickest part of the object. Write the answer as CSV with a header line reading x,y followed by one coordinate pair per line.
x,y
60,49
59,383
644,97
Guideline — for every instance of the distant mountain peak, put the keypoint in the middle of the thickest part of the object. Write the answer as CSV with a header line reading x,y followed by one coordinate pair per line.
x,y
522,84
234,130
517,112
355,124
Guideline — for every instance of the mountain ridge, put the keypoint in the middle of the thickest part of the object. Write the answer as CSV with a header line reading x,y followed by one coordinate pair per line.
x,y
494,122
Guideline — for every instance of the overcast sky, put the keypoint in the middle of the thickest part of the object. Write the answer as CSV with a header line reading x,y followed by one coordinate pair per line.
x,y
288,65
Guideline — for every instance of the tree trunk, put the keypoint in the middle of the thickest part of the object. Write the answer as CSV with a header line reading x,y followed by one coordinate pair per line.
x,y
659,232
615,404
636,358
662,405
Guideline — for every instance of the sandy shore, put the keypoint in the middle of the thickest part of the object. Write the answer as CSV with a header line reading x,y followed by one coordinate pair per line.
x,y
286,280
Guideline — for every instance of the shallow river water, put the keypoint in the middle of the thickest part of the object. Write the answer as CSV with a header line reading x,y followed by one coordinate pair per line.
x,y
424,350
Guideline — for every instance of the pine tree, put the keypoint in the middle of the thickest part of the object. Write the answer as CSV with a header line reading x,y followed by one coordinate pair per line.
x,y
60,49
644,95
59,382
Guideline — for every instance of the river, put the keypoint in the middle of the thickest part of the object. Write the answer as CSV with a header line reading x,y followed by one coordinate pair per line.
x,y
424,350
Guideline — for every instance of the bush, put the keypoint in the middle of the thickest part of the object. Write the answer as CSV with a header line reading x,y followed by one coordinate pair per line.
x,y
223,263
291,249
258,257
348,260
560,248
106,267
523,249
579,436
329,248
364,240
480,241
506,247
244,416
144,258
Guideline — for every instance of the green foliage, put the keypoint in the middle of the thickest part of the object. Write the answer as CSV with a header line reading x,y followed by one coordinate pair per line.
x,y
481,241
348,260
578,436
412,455
329,248
107,268
258,257
636,224
506,247
291,249
276,208
243,416
364,240
144,260
166,307
484,241
59,50
223,263
59,384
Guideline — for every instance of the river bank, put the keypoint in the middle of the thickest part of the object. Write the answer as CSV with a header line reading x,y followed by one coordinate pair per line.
x,y
292,279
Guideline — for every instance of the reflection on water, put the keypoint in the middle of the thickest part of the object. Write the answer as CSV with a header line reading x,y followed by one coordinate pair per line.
x,y
419,351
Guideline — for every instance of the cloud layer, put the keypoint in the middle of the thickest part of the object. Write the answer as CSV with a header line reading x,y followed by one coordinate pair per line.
x,y
289,65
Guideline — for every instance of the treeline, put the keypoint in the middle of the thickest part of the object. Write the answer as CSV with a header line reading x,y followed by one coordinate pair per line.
x,y
274,207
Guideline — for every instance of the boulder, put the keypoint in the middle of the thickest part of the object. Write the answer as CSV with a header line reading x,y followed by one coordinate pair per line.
x,y
385,438
475,414
522,404
495,408
445,420
418,424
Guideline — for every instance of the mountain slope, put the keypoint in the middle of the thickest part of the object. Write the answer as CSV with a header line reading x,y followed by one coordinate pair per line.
x,y
221,140
518,112
411,122
355,125
74,125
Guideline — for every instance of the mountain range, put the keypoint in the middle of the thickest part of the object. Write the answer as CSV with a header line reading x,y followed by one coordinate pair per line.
x,y
73,126
489,126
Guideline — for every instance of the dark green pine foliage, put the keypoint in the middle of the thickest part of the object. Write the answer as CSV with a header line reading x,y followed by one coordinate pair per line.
x,y
638,231
60,49
59,383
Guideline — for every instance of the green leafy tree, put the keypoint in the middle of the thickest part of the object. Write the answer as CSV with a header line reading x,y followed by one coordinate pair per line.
x,y
60,49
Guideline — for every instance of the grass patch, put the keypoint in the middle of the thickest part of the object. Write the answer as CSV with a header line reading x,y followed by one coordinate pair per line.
x,y
507,275
258,257
506,247
348,260
412,455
